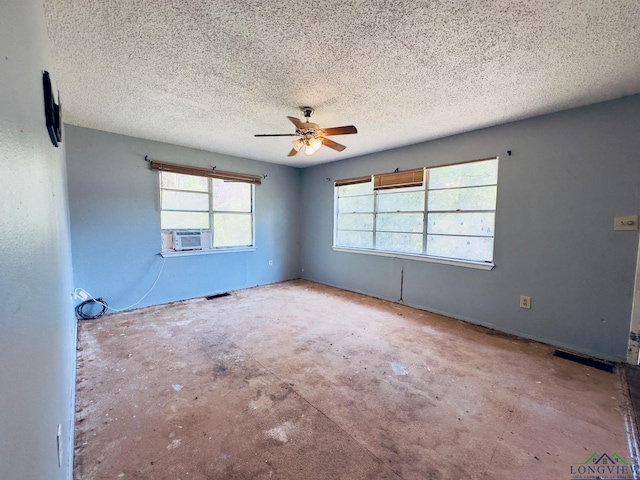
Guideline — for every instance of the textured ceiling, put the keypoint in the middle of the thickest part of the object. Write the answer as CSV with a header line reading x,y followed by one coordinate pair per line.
x,y
209,74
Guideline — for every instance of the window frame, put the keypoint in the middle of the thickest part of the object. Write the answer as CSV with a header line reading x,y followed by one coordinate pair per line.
x,y
423,256
211,212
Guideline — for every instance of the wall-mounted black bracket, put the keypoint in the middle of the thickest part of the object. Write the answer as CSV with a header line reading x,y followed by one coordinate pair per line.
x,y
52,111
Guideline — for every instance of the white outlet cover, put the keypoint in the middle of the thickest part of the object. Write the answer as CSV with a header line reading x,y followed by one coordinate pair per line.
x,y
629,222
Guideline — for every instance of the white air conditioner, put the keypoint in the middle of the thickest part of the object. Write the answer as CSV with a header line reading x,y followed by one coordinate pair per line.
x,y
191,240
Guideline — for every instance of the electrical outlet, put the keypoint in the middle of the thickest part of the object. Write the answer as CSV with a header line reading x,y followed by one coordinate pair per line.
x,y
525,302
271,263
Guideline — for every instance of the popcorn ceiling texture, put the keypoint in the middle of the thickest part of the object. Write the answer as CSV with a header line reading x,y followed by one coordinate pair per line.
x,y
209,74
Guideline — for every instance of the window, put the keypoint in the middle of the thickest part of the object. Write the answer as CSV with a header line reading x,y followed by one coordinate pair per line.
x,y
442,212
211,213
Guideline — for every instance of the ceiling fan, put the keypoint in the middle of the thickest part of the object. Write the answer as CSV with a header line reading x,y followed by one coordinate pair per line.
x,y
312,137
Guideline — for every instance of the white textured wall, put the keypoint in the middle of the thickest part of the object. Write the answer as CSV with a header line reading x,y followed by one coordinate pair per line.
x,y
37,324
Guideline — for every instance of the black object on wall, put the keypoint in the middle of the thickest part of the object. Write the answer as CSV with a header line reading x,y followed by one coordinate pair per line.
x,y
51,111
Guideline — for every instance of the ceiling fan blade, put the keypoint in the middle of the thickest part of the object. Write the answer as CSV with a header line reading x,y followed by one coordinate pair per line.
x,y
276,135
346,130
331,144
298,123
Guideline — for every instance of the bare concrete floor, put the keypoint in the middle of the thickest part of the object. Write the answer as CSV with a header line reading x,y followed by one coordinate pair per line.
x,y
303,381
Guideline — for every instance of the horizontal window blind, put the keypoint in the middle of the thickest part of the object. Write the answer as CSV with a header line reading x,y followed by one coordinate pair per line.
x,y
408,178
205,172
352,181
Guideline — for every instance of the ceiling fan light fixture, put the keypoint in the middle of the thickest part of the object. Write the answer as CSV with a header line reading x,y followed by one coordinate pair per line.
x,y
311,136
312,145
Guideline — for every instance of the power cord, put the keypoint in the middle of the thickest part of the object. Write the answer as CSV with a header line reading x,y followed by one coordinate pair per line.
x,y
85,316
89,299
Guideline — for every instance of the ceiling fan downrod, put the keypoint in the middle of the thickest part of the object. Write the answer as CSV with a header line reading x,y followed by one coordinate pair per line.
x,y
307,111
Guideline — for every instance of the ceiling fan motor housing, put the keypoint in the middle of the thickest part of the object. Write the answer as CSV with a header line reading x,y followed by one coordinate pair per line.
x,y
310,130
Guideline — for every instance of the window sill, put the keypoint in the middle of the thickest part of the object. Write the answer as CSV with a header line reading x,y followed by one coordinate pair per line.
x,y
421,258
189,253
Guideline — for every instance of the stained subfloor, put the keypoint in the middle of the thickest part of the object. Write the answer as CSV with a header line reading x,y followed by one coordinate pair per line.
x,y
302,381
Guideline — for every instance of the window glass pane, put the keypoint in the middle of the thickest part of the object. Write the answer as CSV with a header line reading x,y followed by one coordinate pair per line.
x,y
232,230
400,222
355,204
460,225
231,196
356,189
399,242
348,238
393,191
465,175
480,224
463,248
401,201
180,181
172,200
184,220
355,221
476,198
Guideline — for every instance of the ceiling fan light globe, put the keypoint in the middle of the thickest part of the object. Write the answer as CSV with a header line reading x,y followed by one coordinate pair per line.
x,y
309,150
316,143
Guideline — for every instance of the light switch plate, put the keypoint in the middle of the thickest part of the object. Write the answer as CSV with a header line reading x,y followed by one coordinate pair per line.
x,y
630,222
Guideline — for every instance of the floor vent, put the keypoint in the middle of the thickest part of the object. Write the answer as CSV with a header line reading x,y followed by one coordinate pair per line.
x,y
213,297
589,362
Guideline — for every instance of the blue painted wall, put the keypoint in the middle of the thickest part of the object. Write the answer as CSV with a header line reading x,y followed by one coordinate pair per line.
x,y
115,223
570,173
37,323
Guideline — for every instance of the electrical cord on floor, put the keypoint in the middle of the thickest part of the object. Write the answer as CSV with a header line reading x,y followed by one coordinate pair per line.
x,y
106,307
84,316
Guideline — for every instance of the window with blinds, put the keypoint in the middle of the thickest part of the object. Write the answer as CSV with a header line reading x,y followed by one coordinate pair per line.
x,y
443,212
203,209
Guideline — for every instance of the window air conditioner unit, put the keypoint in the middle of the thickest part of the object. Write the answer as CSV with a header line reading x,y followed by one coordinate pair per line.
x,y
187,241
